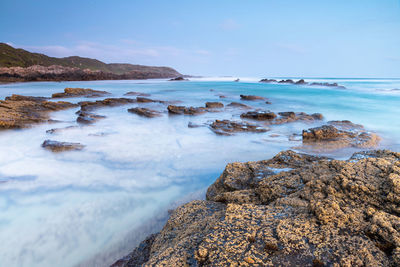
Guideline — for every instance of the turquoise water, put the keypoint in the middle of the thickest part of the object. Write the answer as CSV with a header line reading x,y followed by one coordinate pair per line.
x,y
90,207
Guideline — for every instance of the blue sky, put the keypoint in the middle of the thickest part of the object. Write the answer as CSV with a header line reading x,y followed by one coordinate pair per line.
x,y
352,38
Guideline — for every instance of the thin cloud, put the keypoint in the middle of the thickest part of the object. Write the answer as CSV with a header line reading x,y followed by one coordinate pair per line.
x,y
229,25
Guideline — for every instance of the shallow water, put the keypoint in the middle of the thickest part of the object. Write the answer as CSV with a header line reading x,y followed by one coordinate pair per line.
x,y
67,208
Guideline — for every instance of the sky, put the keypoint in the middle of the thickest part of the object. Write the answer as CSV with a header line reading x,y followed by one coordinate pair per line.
x,y
256,38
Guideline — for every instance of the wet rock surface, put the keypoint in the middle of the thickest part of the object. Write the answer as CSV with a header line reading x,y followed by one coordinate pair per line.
x,y
136,94
78,92
259,115
292,210
140,99
238,105
108,102
145,112
178,79
56,146
22,111
227,127
85,117
252,97
214,105
272,118
341,135
182,110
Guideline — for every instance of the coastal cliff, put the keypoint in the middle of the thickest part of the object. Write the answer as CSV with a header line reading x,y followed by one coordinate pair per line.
x,y
18,65
292,210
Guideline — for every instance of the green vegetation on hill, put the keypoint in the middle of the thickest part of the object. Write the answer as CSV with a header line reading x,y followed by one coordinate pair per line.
x,y
12,57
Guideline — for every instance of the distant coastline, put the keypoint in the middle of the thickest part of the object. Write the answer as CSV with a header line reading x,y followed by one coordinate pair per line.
x,y
18,65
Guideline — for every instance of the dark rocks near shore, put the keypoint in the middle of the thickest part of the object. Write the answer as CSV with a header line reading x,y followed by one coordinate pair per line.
x,y
108,102
331,137
238,105
259,115
56,146
85,117
291,210
178,79
136,94
227,127
328,85
145,112
302,82
214,105
22,111
252,97
268,81
79,92
140,99
182,110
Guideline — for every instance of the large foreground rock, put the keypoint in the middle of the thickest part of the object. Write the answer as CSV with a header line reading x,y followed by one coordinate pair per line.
x,y
292,210
22,111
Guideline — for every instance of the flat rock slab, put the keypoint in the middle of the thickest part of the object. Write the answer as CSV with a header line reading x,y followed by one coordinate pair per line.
x,y
252,97
145,112
136,94
79,92
214,105
227,127
23,111
108,102
182,110
56,146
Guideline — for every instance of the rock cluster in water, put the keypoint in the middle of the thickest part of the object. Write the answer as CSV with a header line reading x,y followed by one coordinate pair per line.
x,y
77,92
291,210
302,82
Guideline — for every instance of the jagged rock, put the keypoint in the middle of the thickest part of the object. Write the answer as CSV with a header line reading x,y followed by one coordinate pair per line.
x,y
186,110
214,105
268,81
291,210
301,82
56,146
259,115
136,94
23,111
238,105
227,127
145,112
108,102
330,137
78,92
252,97
179,79
286,81
290,116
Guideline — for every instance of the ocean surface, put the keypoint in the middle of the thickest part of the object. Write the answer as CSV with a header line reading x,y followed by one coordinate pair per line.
x,y
93,206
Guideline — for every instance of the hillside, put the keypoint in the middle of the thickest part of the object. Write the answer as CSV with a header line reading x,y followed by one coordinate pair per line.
x,y
11,57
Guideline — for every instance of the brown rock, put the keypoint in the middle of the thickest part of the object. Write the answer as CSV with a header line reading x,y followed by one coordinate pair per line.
x,y
299,210
108,102
186,110
136,94
22,111
259,115
214,105
78,92
252,97
145,112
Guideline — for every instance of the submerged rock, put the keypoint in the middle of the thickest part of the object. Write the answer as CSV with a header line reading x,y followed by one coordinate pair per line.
x,y
147,100
268,81
22,111
214,105
227,127
238,105
145,112
56,146
283,117
88,117
186,110
136,94
108,102
291,210
252,97
77,92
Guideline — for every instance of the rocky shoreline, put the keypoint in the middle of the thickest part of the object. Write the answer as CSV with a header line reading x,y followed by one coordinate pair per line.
x,y
292,210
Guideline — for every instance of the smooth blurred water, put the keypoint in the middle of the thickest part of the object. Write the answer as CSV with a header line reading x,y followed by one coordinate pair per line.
x,y
92,206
